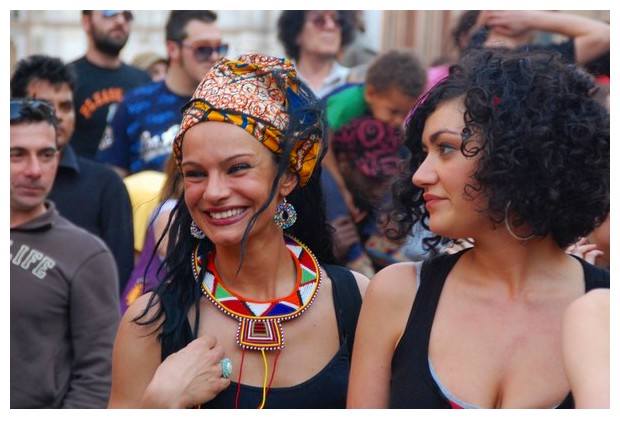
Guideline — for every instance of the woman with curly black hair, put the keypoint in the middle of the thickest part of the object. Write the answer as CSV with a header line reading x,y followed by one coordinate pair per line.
x,y
511,152
314,39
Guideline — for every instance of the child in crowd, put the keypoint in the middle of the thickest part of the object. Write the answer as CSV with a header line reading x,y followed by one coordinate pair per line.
x,y
365,122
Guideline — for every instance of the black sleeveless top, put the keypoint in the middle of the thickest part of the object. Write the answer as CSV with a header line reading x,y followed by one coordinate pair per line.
x,y
327,389
412,384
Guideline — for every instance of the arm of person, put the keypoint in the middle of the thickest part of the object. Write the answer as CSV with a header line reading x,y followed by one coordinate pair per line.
x,y
585,251
385,310
94,317
345,235
187,378
331,164
591,36
585,347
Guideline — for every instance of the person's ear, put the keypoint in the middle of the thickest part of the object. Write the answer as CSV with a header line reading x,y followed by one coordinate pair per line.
x,y
288,183
369,93
86,23
174,50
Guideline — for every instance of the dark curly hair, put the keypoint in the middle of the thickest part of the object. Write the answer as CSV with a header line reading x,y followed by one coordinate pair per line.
x,y
40,67
311,226
291,23
544,150
397,68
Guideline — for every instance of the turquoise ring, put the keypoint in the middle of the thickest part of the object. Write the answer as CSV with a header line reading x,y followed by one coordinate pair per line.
x,y
226,365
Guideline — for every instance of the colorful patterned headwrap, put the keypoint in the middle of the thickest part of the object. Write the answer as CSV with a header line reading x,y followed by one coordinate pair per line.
x,y
259,94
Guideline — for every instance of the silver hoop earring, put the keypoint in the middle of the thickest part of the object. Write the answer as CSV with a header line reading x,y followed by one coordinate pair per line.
x,y
196,232
509,228
285,215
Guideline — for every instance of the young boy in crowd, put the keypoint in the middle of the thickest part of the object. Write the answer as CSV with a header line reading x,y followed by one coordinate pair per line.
x,y
365,122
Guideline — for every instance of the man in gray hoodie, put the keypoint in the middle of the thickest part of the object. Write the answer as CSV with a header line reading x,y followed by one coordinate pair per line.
x,y
64,283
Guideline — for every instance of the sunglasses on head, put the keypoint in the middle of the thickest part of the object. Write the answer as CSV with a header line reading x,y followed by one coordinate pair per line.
x,y
22,108
111,14
204,52
320,21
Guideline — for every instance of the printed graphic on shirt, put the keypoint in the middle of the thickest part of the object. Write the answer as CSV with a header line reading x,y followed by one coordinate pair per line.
x,y
99,99
32,260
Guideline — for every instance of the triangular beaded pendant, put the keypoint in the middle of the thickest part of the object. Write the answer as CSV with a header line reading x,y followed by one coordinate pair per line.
x,y
257,334
260,325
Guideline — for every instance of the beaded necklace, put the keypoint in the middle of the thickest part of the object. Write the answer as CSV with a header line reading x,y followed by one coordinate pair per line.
x,y
260,322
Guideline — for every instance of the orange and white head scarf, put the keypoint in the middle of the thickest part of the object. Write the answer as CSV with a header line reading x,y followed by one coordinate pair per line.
x,y
257,93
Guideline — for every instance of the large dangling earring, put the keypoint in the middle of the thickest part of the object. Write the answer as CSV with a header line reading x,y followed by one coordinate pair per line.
x,y
509,228
196,232
285,215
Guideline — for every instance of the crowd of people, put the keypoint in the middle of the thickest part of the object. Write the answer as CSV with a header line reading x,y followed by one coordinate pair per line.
x,y
206,231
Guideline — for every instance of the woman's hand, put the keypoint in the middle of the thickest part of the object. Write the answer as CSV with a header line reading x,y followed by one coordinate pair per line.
x,y
345,236
585,250
189,377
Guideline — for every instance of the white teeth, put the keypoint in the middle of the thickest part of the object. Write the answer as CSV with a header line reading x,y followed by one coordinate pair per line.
x,y
226,214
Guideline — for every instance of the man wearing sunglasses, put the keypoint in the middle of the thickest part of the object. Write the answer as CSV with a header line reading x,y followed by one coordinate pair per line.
x,y
103,78
314,39
139,135
64,286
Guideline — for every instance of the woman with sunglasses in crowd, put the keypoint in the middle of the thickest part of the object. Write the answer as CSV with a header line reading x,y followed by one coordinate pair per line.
x,y
314,39
510,151
248,315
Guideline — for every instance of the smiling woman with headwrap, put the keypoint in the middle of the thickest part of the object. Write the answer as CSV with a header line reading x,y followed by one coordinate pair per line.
x,y
248,316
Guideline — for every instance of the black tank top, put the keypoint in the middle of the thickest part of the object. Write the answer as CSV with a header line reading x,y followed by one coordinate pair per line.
x,y
412,384
327,389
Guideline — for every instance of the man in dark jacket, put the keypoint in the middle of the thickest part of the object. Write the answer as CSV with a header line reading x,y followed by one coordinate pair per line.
x,y
85,192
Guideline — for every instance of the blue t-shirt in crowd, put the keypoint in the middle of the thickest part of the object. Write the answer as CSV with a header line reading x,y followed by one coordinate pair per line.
x,y
140,134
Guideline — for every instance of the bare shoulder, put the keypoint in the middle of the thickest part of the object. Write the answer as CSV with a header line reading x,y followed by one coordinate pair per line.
x,y
593,304
143,303
394,286
396,278
395,274
362,282
143,308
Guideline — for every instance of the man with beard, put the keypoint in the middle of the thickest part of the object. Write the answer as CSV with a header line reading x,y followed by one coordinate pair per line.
x,y
139,135
103,78
87,193
64,292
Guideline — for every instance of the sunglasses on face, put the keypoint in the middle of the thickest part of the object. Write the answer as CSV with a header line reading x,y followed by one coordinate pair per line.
x,y
32,109
111,14
203,52
320,21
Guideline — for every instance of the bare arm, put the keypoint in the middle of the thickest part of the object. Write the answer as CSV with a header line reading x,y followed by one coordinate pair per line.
x,y
135,358
189,377
385,310
591,36
585,346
